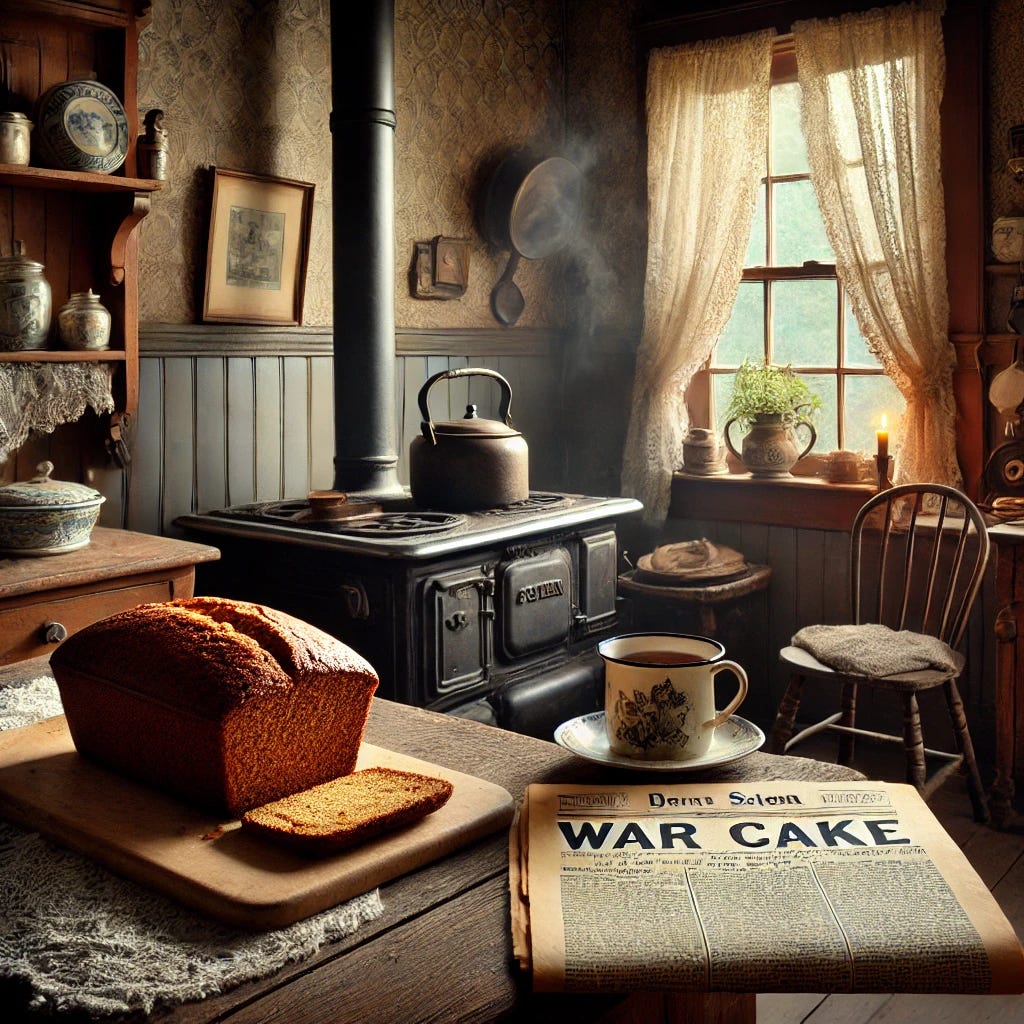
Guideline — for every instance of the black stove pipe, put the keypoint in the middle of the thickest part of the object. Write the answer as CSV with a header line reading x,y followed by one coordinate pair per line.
x,y
363,146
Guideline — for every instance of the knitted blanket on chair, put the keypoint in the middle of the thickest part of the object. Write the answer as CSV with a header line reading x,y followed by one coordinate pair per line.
x,y
874,650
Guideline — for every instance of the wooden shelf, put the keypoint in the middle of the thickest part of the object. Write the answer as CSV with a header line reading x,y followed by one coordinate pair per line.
x,y
806,502
1003,269
73,181
52,355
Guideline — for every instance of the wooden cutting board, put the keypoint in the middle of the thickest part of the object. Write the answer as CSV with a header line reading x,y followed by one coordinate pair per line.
x,y
208,863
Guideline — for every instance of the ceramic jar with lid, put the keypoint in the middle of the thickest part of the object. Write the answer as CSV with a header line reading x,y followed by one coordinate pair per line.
x,y
84,322
703,453
24,302
43,516
15,138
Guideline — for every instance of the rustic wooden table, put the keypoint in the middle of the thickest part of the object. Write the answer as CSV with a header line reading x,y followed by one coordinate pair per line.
x,y
442,950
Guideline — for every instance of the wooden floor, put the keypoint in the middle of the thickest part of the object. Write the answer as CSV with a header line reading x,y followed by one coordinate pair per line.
x,y
998,857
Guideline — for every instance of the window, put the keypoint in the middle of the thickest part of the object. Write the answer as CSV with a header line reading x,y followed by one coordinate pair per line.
x,y
791,308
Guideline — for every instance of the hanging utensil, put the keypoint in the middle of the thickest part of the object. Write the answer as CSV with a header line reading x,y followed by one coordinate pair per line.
x,y
531,210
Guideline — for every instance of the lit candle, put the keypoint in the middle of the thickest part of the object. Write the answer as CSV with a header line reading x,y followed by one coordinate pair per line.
x,y
883,439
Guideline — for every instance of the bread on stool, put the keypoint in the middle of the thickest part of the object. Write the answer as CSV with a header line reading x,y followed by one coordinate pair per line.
x,y
349,810
226,704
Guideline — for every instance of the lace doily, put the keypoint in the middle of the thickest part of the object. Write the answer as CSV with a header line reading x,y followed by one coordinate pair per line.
x,y
40,396
86,940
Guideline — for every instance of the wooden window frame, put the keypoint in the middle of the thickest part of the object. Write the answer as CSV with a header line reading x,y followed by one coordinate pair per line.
x,y
814,503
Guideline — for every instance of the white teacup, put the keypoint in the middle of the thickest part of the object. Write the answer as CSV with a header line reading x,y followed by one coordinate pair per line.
x,y
659,694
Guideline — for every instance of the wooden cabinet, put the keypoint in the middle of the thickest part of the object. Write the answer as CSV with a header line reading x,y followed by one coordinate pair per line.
x,y
45,600
80,225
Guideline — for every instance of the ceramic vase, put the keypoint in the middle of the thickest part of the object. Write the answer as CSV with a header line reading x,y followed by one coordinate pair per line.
x,y
24,303
84,322
770,448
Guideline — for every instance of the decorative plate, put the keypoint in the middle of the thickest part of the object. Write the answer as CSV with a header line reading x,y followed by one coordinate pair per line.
x,y
81,126
586,736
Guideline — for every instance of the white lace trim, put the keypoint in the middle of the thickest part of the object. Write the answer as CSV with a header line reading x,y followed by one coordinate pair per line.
x,y
86,940
872,86
40,396
707,125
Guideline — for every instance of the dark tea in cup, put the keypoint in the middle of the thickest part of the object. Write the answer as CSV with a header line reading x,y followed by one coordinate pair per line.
x,y
664,658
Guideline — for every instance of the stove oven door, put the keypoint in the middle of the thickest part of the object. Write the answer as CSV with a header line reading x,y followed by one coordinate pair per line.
x,y
535,603
459,632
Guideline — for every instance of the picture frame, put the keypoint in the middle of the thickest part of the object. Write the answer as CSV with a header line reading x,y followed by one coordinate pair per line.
x,y
258,249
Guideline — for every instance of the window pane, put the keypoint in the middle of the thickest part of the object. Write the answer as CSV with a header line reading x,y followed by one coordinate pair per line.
x,y
721,393
799,231
757,247
826,423
857,354
804,322
743,336
867,398
789,154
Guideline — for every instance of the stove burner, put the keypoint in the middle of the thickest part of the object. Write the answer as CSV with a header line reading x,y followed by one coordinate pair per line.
x,y
400,524
536,502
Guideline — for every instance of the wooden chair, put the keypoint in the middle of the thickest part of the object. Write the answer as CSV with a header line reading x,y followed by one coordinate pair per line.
x,y
917,557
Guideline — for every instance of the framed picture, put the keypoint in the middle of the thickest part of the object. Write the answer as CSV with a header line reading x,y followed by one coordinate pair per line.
x,y
258,249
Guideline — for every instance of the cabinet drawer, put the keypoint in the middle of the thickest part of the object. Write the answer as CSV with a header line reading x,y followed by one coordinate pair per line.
x,y
23,626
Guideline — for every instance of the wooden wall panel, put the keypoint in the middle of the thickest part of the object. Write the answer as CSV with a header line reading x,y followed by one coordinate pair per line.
x,y
145,476
179,445
269,440
241,428
321,423
296,458
211,433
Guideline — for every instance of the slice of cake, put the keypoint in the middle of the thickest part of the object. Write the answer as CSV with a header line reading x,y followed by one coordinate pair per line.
x,y
349,809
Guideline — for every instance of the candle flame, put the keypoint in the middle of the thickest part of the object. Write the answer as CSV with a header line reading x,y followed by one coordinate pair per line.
x,y
885,422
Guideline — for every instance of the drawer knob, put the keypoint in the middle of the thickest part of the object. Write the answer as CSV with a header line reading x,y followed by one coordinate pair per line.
x,y
55,632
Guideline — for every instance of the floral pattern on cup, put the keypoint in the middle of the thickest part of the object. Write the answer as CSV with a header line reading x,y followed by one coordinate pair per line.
x,y
655,719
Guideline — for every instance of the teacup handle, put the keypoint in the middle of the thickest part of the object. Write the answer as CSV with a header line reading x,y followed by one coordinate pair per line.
x,y
741,693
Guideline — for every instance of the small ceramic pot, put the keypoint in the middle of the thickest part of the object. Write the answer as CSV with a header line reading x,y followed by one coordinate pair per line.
x,y
24,303
703,454
47,517
84,323
15,138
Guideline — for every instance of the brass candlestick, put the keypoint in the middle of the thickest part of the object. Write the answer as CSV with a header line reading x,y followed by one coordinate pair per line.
x,y
884,464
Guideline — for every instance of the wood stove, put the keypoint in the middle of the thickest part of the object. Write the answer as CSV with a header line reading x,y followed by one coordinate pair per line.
x,y
493,615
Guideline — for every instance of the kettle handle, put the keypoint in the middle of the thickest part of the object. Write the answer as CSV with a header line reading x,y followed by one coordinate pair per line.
x,y
465,371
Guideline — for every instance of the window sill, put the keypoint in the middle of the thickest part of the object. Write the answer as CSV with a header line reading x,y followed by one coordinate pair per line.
x,y
805,502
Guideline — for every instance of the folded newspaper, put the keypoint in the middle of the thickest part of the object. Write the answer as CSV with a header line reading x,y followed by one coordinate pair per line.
x,y
754,887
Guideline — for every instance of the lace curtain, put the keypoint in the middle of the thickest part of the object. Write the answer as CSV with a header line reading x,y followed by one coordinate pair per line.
x,y
872,84
40,396
707,130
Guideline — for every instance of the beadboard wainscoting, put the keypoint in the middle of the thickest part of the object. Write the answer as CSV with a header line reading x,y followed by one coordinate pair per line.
x,y
230,415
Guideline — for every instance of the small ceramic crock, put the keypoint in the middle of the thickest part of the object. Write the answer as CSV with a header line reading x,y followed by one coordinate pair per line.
x,y
47,517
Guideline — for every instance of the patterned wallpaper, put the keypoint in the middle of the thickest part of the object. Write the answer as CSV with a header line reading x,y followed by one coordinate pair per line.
x,y
473,79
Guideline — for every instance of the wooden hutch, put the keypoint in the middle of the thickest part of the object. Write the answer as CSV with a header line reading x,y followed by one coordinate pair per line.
x,y
80,225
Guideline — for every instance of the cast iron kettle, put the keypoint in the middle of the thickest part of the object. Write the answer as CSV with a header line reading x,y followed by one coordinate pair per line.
x,y
468,464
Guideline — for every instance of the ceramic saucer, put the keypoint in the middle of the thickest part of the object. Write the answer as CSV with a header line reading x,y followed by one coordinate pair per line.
x,y
586,737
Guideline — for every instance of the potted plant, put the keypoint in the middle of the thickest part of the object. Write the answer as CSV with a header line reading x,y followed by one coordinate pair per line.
x,y
771,403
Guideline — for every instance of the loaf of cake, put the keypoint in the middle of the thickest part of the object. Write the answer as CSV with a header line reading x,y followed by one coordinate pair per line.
x,y
348,810
225,704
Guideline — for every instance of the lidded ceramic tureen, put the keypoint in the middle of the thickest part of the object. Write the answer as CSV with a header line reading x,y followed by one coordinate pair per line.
x,y
42,516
